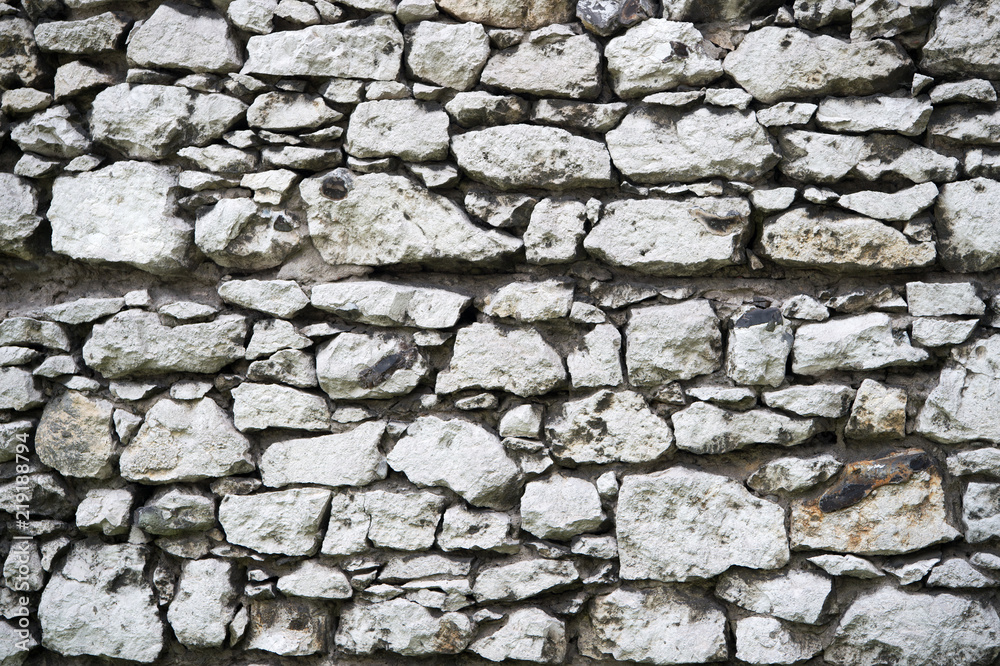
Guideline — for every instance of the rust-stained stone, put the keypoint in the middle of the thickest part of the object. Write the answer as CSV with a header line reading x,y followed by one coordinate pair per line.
x,y
887,506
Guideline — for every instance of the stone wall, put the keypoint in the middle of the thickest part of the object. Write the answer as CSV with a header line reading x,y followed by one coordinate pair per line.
x,y
532,330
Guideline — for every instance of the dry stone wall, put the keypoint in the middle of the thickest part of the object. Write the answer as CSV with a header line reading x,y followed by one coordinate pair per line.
x,y
469,331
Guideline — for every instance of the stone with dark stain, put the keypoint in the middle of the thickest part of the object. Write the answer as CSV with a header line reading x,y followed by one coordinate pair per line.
x,y
860,478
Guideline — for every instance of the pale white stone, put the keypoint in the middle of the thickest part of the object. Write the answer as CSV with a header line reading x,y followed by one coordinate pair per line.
x,y
263,406
74,436
901,206
205,602
181,37
554,231
528,634
272,335
284,111
706,429
402,520
517,360
659,55
241,233
283,522
826,400
932,332
105,510
465,529
681,524
551,62
598,361
985,461
847,565
315,579
185,441
52,133
608,426
449,55
369,365
979,511
529,14
459,455
960,42
412,131
19,214
805,307
773,200
862,342
970,90
758,349
531,301
388,304
963,407
794,474
934,299
522,421
876,113
278,298
957,573
797,596
786,113
292,627
560,507
879,412
522,579
255,16
963,217
669,342
403,627
350,458
765,640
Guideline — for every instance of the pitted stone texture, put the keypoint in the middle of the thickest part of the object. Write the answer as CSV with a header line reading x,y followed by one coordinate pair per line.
x,y
793,474
284,111
517,360
410,130
934,299
551,62
608,426
388,304
175,510
448,55
205,602
315,579
766,640
150,122
402,521
74,436
180,37
459,455
18,215
523,579
798,596
291,627
52,133
368,49
350,458
264,406
403,627
379,219
134,342
529,14
759,344
963,406
285,522
465,529
787,63
185,441
862,342
659,55
278,298
706,429
961,40
19,390
964,214
669,342
243,234
606,17
123,213
597,362
99,603
560,507
706,234
879,413
837,241
369,365
19,63
531,301
966,124
981,511
661,145
899,518
901,206
518,156
528,634
554,231
915,629
875,113
682,524
656,625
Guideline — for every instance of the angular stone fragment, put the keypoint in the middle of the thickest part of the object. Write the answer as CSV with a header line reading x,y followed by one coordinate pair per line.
x,y
554,231
914,628
885,18
97,34
670,342
19,63
388,304
375,365
862,342
278,298
472,109
263,406
27,331
351,458
84,310
879,413
134,342
464,529
528,634
900,206
517,360
608,426
403,521
899,518
459,455
981,511
366,49
876,113
966,124
847,565
766,640
598,360
316,579
962,406
176,510
99,603
526,14
205,602
121,213
378,219
707,429
74,436
970,90
291,627
518,156
410,130
961,40
964,215
105,510
283,111
288,366
793,474
758,349
798,596
682,524
551,62
243,234
985,461
531,301
661,145
787,63
934,299
284,522
957,573
52,133
522,579
181,37
185,441
560,507
826,158
18,215
606,17
403,627
659,55
151,121
18,390
657,625
583,116
448,55
705,234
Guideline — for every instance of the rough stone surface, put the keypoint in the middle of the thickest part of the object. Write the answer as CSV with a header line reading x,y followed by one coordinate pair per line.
x,y
959,40
528,634
669,342
387,304
659,55
798,596
377,365
451,56
283,521
862,342
204,604
403,627
351,458
74,436
707,429
549,62
963,212
409,130
560,508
